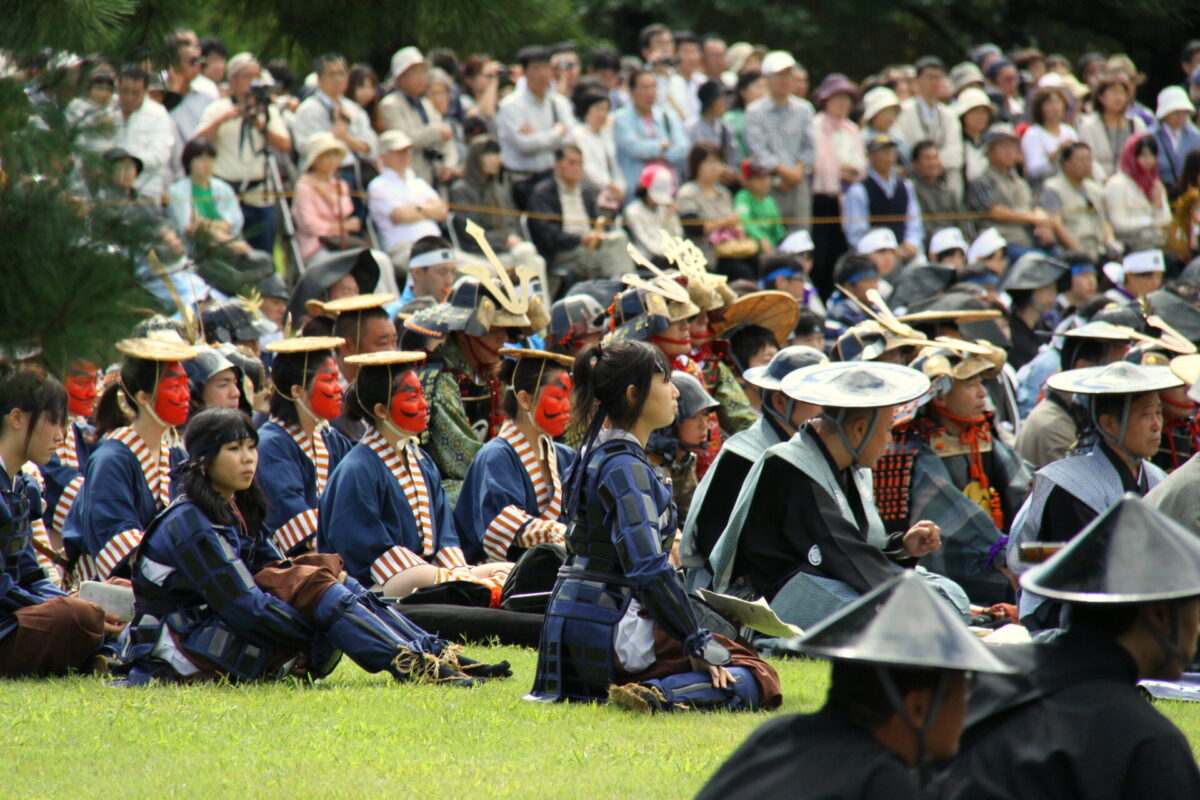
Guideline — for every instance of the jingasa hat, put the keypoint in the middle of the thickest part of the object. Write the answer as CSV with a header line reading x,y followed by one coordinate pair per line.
x,y
856,384
1033,271
901,624
776,311
1119,377
162,350
1131,553
782,364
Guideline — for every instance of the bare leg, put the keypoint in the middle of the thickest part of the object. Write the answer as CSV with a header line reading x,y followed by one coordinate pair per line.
x,y
411,579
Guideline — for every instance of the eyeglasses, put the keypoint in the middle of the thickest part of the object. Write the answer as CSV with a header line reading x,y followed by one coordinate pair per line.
x,y
194,61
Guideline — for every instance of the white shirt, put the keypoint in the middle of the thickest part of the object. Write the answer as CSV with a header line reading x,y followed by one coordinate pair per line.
x,y
1038,144
531,152
237,163
599,156
316,114
149,134
388,191
205,85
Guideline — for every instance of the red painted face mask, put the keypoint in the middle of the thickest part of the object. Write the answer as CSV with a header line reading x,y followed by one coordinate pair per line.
x,y
409,410
325,397
553,410
81,390
172,395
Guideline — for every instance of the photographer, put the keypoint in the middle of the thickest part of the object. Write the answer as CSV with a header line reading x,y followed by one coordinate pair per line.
x,y
241,127
658,53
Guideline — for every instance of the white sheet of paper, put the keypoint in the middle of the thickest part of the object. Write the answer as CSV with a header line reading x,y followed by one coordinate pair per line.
x,y
757,615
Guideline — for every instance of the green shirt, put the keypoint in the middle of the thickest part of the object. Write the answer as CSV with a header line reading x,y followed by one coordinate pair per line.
x,y
761,212
202,201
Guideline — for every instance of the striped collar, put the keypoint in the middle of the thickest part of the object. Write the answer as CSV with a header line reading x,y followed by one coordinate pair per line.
x,y
407,471
68,449
156,468
312,446
549,497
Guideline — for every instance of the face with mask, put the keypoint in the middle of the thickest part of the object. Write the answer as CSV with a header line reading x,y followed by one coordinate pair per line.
x,y
408,409
325,394
81,389
553,409
172,395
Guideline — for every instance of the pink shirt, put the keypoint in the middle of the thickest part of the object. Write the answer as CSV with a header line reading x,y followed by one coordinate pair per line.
x,y
317,215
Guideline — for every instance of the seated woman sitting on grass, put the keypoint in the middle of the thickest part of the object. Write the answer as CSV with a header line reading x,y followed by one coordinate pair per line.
x,y
213,597
619,623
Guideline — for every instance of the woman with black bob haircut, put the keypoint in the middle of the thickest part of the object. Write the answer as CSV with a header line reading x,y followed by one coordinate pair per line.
x,y
384,511
128,477
619,623
231,606
42,631
299,447
512,497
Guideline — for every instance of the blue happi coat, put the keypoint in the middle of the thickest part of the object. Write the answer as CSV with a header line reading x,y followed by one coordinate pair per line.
x,y
22,581
115,506
366,518
289,478
498,515
62,476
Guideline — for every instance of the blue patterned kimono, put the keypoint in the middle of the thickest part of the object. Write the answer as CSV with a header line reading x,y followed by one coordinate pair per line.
x,y
505,505
116,504
293,479
22,581
368,520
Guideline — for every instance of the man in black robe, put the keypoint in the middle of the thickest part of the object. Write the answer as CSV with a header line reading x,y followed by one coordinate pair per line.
x,y
896,701
1072,721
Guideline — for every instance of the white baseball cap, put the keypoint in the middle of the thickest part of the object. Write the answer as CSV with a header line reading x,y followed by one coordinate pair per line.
x,y
797,242
403,60
1172,99
875,240
777,61
984,245
947,239
1143,261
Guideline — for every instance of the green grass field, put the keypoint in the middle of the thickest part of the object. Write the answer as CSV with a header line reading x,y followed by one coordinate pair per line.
x,y
356,734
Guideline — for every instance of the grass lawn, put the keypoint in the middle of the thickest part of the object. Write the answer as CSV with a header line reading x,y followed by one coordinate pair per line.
x,y
356,734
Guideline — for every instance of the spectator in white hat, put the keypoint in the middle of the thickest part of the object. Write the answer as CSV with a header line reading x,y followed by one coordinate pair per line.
x,y
948,246
881,106
1175,134
403,206
1138,274
880,245
975,113
406,109
779,136
1135,199
988,249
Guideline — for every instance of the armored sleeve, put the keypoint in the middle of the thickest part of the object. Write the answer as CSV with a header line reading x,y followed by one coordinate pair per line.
x,y
211,567
626,491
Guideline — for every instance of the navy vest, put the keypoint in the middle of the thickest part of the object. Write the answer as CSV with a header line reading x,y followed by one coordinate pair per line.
x,y
880,205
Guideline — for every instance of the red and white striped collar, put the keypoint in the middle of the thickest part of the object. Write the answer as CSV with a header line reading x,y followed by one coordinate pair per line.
x,y
156,467
312,446
407,471
549,496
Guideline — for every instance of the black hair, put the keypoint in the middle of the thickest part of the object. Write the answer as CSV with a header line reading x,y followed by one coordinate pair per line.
x,y
374,385
205,435
1113,405
743,82
533,53
685,37
1189,176
444,59
349,324
561,152
525,375
194,149
325,60
747,341
602,374
849,265
135,73
1070,148
1021,298
638,73
1042,96
584,101
929,62
427,244
856,690
1085,62
319,325
1146,142
605,59
293,369
778,260
1074,258
1189,51
34,393
1109,620
1093,307
210,45
921,146
808,322
282,73
137,375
